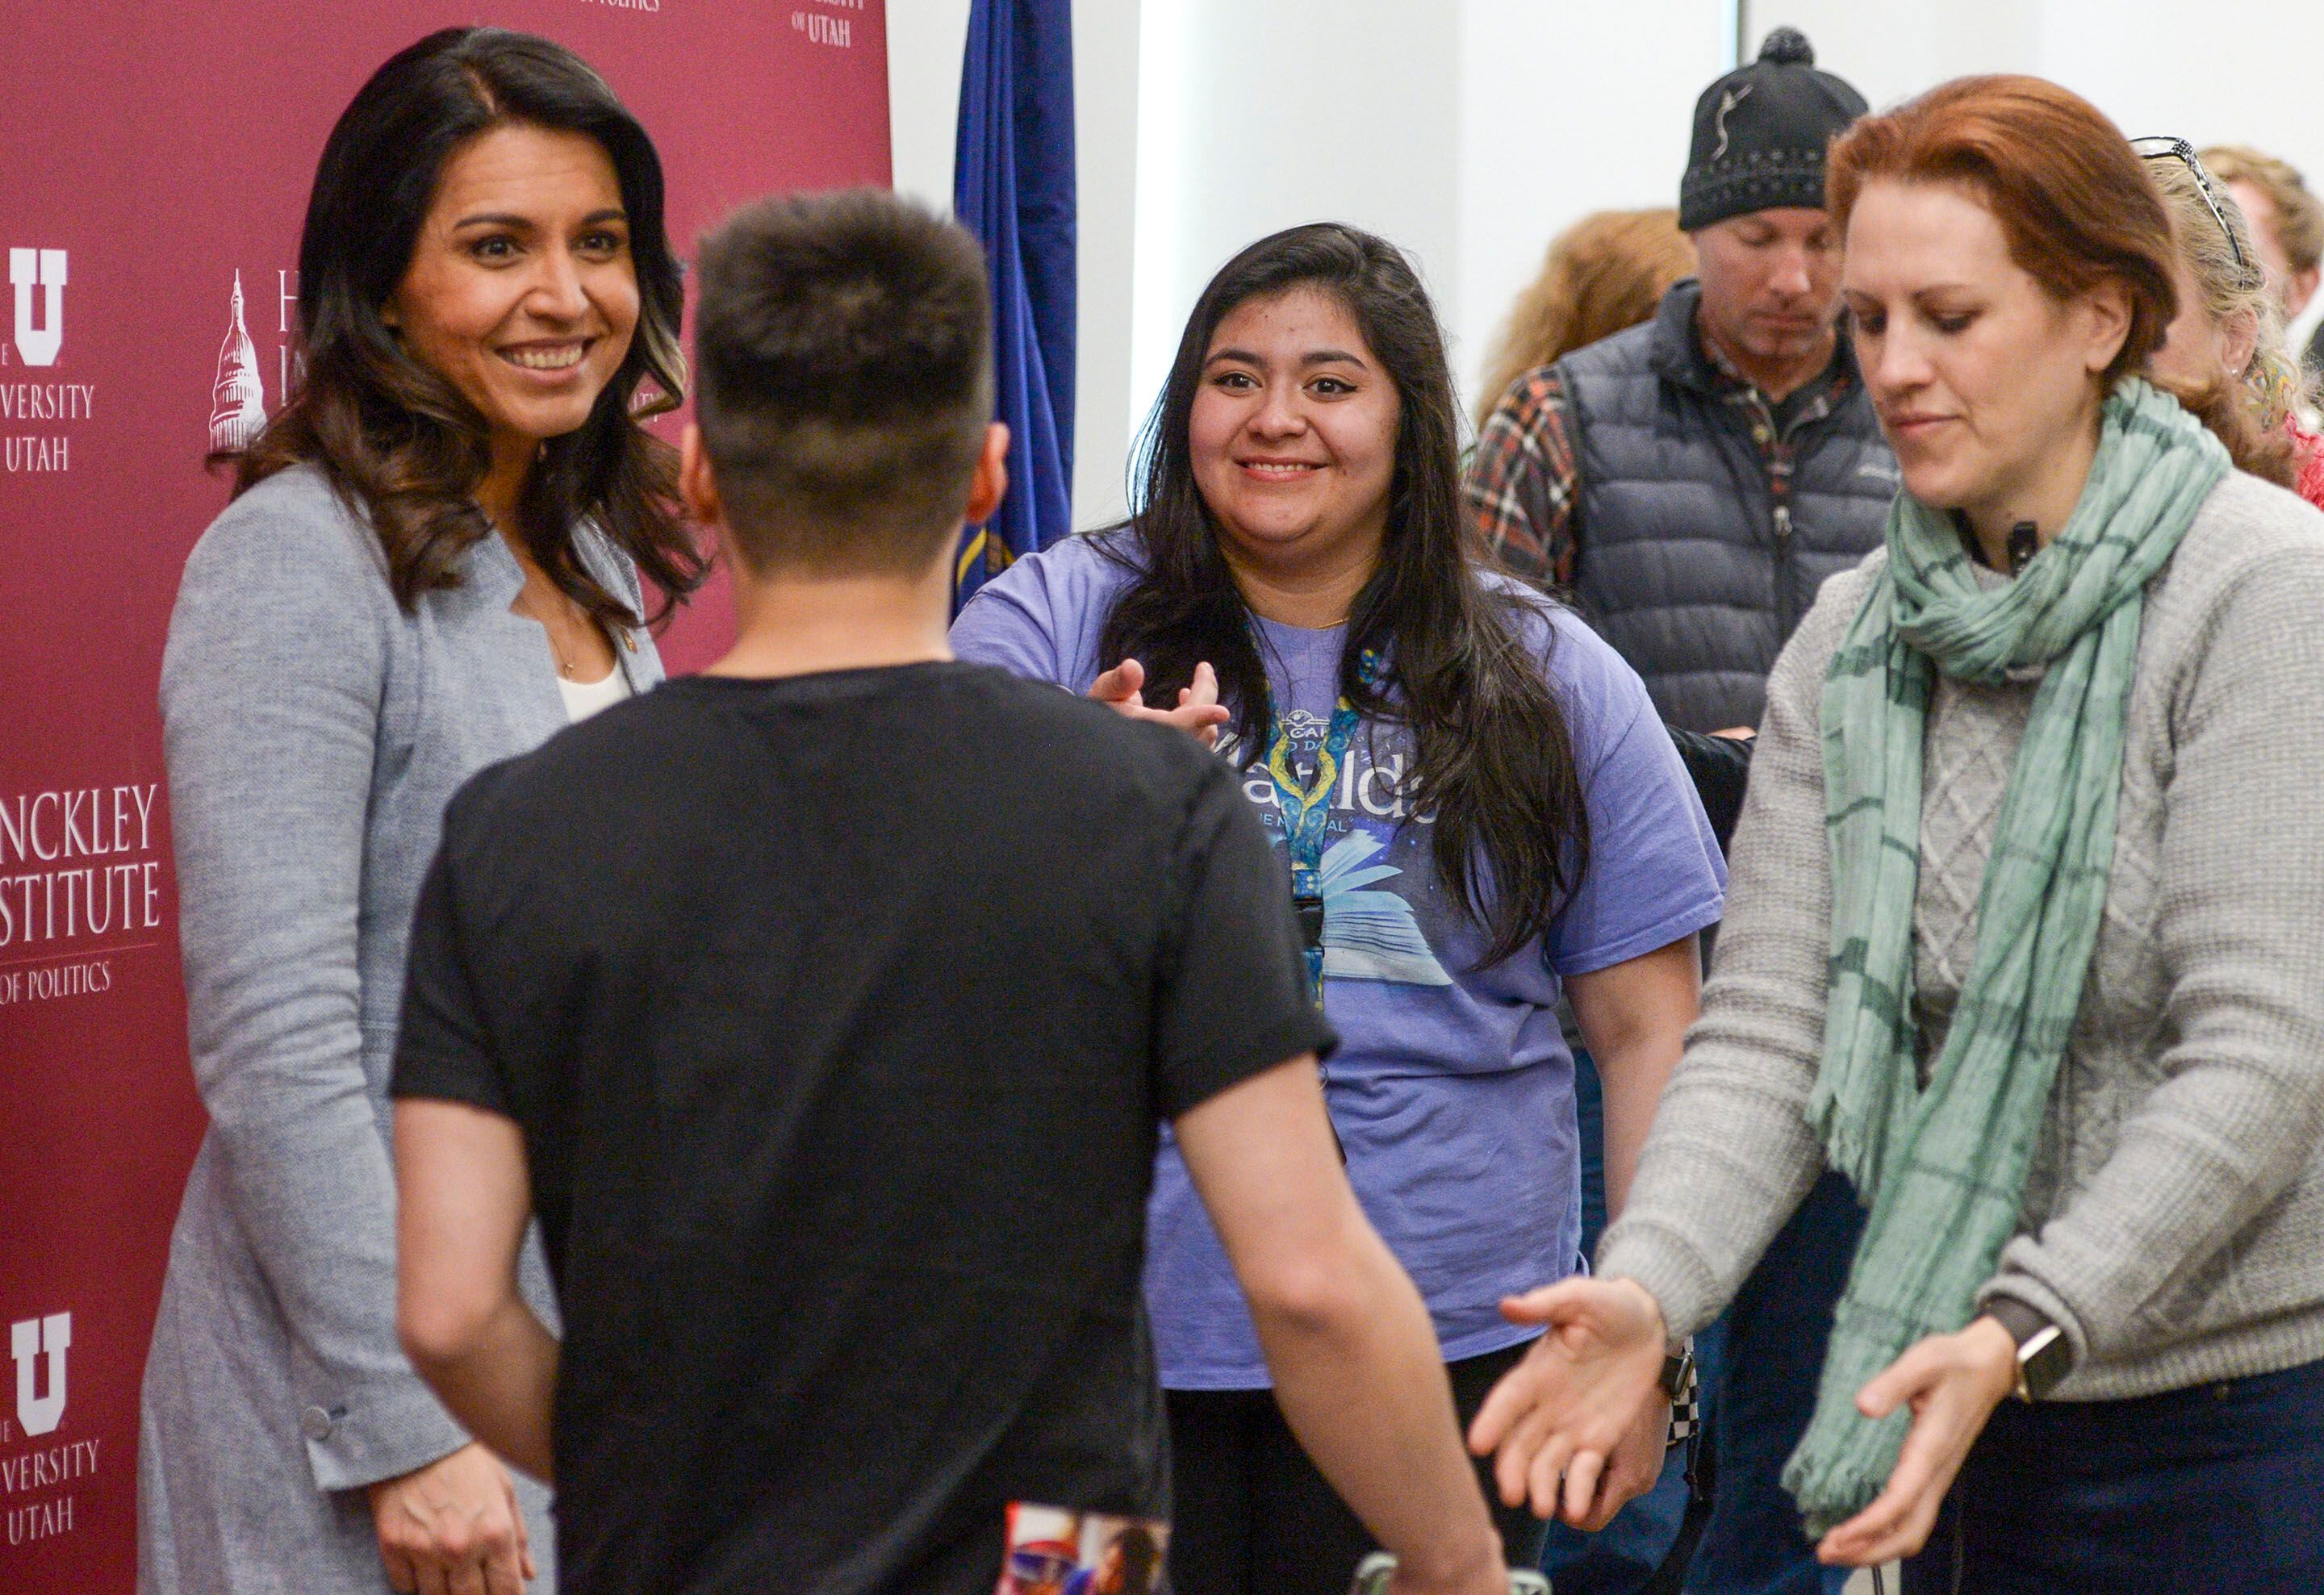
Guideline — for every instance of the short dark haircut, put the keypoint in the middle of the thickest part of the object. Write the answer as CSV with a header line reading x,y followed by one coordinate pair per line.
x,y
845,352
394,434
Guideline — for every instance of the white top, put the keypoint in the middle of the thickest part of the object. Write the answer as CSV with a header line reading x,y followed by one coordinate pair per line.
x,y
585,698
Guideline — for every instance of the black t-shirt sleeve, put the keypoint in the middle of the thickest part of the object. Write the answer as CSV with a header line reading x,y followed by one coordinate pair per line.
x,y
1231,992
444,1047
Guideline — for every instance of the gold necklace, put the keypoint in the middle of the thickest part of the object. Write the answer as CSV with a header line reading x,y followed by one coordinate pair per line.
x,y
565,667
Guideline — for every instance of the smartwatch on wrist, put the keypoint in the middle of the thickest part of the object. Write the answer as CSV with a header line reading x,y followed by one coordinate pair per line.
x,y
2044,1355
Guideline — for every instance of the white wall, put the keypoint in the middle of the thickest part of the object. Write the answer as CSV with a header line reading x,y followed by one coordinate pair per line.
x,y
1262,119
1467,131
1566,107
926,41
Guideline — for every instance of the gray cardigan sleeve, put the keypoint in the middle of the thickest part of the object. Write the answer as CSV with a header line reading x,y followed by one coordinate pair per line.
x,y
2238,1102
1731,1154
271,689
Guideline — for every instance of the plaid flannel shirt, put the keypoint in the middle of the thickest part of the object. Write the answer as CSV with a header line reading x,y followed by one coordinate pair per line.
x,y
1518,488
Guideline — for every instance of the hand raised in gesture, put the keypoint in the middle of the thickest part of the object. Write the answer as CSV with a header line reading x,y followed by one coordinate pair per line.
x,y
1199,710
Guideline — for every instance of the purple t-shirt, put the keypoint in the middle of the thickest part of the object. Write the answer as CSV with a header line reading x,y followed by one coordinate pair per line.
x,y
1452,1089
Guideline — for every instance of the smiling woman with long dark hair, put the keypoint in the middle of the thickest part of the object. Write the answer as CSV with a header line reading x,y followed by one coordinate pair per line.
x,y
430,564
1478,811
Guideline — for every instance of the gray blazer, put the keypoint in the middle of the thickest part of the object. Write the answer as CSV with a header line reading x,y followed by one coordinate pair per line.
x,y
314,733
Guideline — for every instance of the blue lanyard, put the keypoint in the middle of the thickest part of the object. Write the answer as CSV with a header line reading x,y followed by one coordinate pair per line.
x,y
1306,810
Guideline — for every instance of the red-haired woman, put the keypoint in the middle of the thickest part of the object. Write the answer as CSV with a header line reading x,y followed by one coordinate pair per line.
x,y
2026,933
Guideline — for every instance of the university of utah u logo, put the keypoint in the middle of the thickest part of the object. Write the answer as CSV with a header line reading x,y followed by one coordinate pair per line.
x,y
39,339
31,1341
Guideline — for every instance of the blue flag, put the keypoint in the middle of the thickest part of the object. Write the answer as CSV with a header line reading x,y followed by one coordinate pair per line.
x,y
1013,187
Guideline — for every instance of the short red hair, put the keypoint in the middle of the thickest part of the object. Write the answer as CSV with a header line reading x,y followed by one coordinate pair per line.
x,y
2072,198
2075,203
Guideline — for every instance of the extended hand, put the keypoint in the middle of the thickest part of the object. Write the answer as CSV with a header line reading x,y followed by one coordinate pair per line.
x,y
1580,1399
1953,1383
1199,710
453,1527
1630,1471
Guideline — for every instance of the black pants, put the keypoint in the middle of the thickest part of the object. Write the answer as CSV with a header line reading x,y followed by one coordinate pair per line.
x,y
1251,1516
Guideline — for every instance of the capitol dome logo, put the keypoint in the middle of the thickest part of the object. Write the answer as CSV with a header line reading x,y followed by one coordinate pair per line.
x,y
238,397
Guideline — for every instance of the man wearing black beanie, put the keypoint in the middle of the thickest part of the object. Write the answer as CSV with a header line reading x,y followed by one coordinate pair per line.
x,y
1689,484
1693,481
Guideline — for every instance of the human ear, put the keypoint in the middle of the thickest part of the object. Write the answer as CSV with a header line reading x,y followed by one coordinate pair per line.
x,y
990,484
697,489
2239,340
2106,316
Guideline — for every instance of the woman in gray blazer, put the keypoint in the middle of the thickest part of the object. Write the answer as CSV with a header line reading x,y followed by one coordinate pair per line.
x,y
430,564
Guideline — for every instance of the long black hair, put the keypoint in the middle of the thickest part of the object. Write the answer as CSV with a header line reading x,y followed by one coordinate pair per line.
x,y
1493,759
394,434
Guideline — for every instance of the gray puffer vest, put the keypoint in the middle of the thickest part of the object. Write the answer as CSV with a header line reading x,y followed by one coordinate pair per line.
x,y
1702,535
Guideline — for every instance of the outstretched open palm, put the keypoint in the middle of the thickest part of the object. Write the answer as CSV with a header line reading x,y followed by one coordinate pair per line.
x,y
1563,1427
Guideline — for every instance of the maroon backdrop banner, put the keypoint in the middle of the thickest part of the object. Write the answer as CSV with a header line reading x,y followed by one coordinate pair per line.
x,y
157,161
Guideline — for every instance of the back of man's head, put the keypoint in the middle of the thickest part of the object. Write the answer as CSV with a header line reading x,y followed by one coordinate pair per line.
x,y
843,343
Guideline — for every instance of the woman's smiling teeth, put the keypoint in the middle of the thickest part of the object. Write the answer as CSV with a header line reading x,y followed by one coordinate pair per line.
x,y
1280,470
546,357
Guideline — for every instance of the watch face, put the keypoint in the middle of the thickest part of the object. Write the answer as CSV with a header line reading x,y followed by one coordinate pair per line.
x,y
2045,1360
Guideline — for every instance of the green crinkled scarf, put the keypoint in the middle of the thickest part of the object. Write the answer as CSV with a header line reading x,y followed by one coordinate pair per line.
x,y
1944,1167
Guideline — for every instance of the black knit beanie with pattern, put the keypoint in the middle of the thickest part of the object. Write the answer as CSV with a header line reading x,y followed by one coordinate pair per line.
x,y
1760,133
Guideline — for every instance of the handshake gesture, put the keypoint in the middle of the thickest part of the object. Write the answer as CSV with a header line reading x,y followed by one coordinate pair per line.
x,y
1577,1428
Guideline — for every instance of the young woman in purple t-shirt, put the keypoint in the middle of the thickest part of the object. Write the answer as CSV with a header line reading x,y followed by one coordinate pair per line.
x,y
1478,808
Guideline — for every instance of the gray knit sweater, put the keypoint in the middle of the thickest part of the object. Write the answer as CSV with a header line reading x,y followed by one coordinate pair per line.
x,y
2173,1222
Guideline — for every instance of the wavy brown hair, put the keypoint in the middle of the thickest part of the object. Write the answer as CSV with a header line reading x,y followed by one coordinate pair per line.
x,y
1606,272
1493,757
395,438
2075,204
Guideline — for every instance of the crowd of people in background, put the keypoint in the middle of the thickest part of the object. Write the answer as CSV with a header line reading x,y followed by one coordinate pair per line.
x,y
865,1119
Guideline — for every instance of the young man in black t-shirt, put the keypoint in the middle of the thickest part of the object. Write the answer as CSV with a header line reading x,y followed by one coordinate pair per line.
x,y
823,1008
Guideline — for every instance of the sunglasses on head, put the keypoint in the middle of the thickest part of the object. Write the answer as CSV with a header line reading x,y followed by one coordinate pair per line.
x,y
2179,149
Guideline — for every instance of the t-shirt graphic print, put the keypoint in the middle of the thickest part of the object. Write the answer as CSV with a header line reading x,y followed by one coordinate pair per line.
x,y
1371,932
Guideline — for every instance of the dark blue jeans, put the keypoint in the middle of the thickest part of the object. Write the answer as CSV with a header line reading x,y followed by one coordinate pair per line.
x,y
1760,1364
2220,1488
1776,1328
1618,1559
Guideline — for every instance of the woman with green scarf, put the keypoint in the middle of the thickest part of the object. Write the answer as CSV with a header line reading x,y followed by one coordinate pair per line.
x,y
2025,935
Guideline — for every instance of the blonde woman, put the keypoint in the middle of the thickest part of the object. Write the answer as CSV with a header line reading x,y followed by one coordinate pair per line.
x,y
2287,220
1605,273
2229,329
